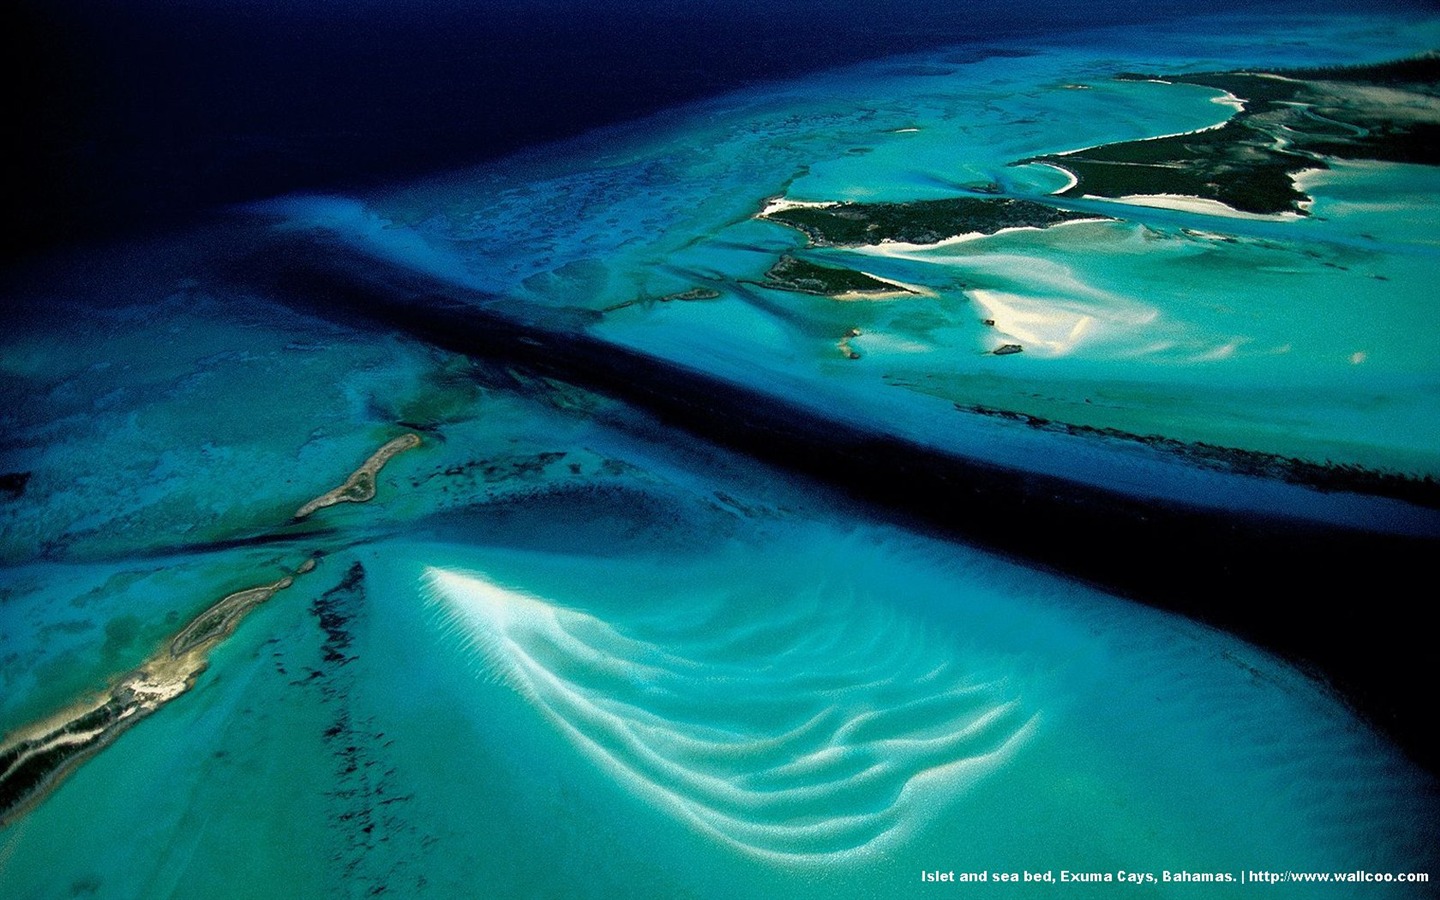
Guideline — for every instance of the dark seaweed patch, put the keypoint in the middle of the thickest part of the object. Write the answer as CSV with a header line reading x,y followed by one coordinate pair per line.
x,y
1324,476
367,809
12,484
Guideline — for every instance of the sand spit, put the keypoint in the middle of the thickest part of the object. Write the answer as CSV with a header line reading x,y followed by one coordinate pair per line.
x,y
35,759
775,205
1199,205
902,289
360,486
1071,177
903,249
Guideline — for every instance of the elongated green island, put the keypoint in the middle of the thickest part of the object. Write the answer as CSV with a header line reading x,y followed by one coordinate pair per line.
x,y
1289,121
791,273
916,222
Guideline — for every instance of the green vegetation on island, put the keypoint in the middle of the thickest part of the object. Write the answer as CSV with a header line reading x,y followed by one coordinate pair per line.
x,y
1291,120
696,293
792,274
916,222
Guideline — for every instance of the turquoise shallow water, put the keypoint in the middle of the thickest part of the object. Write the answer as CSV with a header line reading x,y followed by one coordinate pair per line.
x,y
589,656
1161,323
801,705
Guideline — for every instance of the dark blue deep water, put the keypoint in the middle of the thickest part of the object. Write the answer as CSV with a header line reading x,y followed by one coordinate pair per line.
x,y
142,114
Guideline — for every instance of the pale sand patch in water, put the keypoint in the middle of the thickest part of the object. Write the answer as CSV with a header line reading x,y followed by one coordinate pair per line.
x,y
1050,327
1200,205
775,205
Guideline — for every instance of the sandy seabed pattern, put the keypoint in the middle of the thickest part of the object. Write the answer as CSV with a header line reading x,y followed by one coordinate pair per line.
x,y
566,651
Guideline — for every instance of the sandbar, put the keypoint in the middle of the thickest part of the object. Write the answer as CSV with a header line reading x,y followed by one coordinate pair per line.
x,y
1199,205
34,759
360,486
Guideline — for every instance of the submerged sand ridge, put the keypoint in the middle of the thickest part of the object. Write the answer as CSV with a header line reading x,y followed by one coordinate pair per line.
x,y
37,758
746,578
830,750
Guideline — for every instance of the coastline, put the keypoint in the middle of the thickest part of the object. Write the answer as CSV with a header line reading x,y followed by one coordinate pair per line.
x,y
36,758
1050,521
1198,205
700,474
900,249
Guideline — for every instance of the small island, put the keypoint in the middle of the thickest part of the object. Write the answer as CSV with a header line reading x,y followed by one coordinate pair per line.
x,y
915,222
360,486
793,274
686,296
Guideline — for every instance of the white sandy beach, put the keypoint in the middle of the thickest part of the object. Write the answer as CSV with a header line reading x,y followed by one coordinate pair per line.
x,y
775,205
1199,205
902,289
1228,99
902,248
1225,99
1071,177
1050,327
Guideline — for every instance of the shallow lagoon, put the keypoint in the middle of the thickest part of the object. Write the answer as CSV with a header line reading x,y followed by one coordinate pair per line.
x,y
563,712
546,682
1307,338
